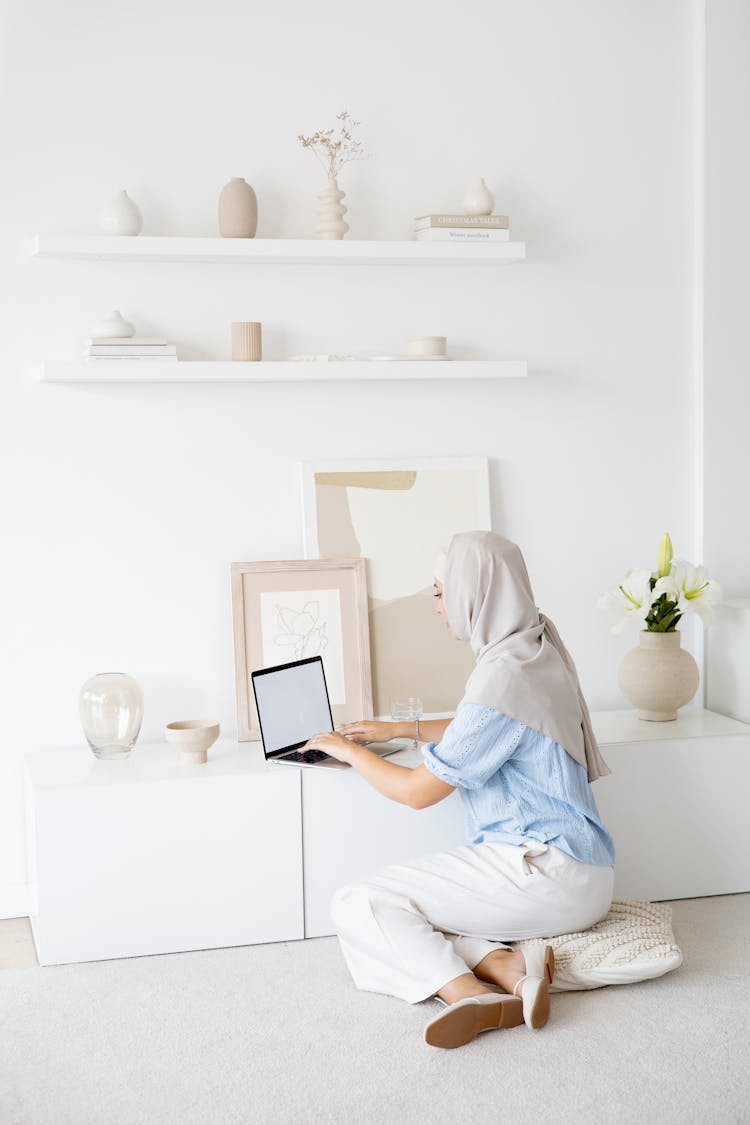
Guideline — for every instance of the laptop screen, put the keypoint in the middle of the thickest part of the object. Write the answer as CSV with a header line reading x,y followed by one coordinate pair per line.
x,y
292,703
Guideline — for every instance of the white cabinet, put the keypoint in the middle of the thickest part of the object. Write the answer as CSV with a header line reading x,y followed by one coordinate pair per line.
x,y
350,831
148,856
676,803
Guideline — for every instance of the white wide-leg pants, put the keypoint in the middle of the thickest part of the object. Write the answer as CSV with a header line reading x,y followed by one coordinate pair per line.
x,y
414,927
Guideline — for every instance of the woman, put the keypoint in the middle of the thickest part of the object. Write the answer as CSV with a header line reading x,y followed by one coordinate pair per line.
x,y
521,752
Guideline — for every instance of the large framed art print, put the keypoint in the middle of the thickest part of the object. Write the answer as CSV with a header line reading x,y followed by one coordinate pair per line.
x,y
398,514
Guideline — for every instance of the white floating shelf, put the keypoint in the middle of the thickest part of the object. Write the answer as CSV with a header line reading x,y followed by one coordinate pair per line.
x,y
274,251
275,371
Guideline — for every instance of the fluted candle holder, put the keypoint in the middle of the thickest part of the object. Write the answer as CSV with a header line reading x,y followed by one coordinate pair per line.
x,y
246,340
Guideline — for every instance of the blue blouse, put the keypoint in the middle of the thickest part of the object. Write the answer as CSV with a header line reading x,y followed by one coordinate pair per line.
x,y
518,785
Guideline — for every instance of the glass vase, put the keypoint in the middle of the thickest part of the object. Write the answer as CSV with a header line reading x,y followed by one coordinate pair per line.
x,y
110,706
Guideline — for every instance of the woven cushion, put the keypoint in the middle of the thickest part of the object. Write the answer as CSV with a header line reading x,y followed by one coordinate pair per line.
x,y
634,942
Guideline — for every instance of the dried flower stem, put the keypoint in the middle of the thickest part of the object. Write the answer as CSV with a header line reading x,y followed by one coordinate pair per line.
x,y
333,152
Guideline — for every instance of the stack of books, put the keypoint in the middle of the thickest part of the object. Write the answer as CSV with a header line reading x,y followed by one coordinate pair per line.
x,y
461,228
131,347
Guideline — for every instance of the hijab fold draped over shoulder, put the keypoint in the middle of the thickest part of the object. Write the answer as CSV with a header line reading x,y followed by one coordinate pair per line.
x,y
523,668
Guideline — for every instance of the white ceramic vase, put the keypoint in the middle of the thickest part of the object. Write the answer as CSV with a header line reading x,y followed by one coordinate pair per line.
x,y
331,211
659,676
113,325
238,210
120,216
478,199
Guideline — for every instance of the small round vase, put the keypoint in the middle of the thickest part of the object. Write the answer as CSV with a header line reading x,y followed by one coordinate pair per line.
x,y
478,199
238,210
659,676
113,325
331,211
120,216
110,706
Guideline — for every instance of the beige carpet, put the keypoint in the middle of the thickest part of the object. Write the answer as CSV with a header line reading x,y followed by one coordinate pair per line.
x,y
276,1034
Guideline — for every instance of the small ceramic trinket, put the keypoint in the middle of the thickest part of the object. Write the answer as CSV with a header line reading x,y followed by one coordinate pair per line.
x,y
478,199
120,216
113,325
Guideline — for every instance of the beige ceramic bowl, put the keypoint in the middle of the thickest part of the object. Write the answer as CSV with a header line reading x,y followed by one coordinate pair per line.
x,y
192,737
427,345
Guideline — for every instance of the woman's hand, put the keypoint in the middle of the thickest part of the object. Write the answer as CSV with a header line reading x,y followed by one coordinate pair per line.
x,y
330,743
366,730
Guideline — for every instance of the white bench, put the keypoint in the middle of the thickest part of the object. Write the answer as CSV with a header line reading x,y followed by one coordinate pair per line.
x,y
147,856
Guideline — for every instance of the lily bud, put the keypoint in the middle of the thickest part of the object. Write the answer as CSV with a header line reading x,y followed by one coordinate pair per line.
x,y
664,556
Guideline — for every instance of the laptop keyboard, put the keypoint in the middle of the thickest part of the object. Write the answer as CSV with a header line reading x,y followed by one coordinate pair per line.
x,y
307,756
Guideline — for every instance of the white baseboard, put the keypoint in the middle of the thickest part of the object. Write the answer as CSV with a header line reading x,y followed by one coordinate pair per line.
x,y
14,900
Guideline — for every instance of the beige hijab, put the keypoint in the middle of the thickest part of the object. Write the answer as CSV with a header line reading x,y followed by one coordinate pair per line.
x,y
523,668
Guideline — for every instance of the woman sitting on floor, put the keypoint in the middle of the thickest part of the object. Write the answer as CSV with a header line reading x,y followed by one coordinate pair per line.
x,y
521,752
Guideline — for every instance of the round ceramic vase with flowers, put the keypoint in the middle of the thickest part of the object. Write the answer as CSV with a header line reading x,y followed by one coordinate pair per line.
x,y
333,150
659,676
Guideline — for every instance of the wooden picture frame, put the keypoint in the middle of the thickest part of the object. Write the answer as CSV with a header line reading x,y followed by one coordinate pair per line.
x,y
284,611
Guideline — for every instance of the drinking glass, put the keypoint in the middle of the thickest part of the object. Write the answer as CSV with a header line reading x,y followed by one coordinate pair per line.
x,y
407,709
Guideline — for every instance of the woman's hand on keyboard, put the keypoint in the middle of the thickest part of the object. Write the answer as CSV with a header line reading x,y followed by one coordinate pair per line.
x,y
331,743
366,730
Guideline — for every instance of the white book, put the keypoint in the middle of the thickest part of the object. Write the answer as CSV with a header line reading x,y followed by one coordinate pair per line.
x,y
424,222
128,341
132,358
112,350
462,234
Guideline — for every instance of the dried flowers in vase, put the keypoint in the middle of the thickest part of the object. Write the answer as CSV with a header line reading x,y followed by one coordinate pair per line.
x,y
333,150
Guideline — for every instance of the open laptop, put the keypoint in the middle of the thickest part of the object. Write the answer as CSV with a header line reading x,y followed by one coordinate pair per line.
x,y
292,704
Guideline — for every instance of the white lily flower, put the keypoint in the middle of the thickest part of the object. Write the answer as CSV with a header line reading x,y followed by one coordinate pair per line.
x,y
664,556
669,586
632,598
691,588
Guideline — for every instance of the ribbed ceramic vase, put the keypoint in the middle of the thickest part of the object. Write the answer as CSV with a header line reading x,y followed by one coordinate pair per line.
x,y
331,211
238,210
659,676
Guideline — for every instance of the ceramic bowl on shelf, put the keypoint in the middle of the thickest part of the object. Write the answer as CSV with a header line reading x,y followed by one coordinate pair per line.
x,y
432,346
193,737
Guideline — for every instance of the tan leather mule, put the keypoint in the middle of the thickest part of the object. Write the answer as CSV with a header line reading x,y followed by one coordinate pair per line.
x,y
461,1022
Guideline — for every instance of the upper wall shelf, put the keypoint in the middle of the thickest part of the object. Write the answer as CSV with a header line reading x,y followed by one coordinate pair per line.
x,y
274,251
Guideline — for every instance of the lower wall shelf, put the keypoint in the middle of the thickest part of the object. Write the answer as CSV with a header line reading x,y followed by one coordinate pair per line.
x,y
274,371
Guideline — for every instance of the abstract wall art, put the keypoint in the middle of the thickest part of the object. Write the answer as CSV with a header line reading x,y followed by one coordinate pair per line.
x,y
397,515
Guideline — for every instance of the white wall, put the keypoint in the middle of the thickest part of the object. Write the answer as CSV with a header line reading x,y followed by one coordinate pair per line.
x,y
727,283
727,348
123,506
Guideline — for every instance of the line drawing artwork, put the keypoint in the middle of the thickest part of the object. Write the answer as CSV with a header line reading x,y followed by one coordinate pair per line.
x,y
296,624
301,630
